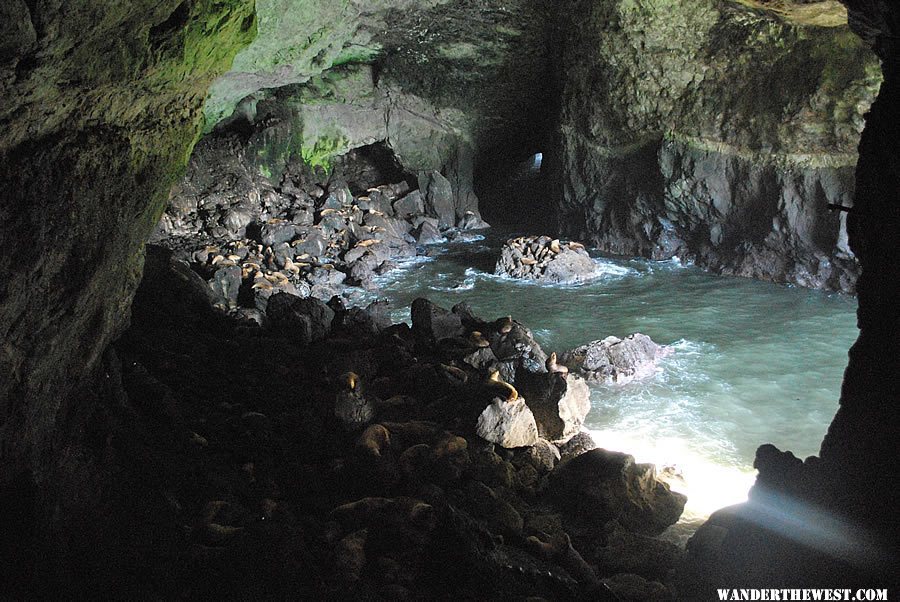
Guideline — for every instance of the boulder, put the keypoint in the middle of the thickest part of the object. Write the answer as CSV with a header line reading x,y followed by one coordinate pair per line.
x,y
508,424
305,320
226,284
560,405
438,193
600,486
614,359
274,232
431,323
546,260
427,234
577,445
517,350
411,205
472,221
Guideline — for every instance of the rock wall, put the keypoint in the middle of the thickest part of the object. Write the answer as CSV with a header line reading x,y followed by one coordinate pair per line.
x,y
715,131
846,492
101,106
442,83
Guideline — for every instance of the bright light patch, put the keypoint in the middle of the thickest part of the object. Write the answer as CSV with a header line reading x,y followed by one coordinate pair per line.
x,y
538,159
707,485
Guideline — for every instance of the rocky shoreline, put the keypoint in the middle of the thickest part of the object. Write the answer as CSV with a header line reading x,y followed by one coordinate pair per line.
x,y
310,237
355,447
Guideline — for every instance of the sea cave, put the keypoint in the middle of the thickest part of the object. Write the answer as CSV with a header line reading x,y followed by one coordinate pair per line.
x,y
449,299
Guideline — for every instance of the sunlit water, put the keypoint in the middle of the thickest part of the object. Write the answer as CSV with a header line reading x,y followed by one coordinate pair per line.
x,y
752,362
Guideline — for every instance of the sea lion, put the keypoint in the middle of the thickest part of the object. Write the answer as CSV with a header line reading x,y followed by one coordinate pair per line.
x,y
554,246
478,340
503,325
555,368
494,381
374,440
453,374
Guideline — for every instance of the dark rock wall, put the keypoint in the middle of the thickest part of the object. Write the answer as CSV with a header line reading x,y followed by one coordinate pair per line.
x,y
847,493
712,131
861,445
101,104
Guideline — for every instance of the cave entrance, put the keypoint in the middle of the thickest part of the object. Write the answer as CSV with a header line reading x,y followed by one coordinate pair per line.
x,y
516,191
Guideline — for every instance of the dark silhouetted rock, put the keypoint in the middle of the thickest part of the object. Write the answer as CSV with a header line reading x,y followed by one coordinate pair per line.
x,y
304,320
600,485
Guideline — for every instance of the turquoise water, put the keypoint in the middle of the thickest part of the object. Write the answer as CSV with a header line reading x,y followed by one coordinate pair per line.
x,y
752,362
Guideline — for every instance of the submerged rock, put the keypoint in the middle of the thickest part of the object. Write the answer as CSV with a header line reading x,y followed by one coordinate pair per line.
x,y
615,360
600,485
546,260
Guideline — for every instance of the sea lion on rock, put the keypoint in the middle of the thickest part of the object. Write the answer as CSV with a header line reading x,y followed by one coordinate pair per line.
x,y
504,325
494,381
555,368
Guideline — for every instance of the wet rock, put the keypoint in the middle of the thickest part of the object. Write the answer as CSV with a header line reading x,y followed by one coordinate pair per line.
x,y
517,350
601,485
546,260
312,242
427,234
615,360
543,455
509,424
472,221
439,201
304,320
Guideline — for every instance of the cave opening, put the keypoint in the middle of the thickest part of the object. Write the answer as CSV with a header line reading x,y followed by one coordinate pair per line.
x,y
335,380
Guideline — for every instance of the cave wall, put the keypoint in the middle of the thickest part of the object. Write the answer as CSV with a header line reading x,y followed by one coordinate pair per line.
x,y
102,102
713,131
444,84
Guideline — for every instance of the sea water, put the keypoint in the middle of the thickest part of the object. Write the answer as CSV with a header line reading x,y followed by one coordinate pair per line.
x,y
751,363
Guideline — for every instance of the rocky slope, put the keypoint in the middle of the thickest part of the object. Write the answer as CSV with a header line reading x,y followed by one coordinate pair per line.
x,y
714,131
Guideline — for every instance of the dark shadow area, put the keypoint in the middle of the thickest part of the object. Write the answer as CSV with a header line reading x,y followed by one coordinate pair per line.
x,y
515,191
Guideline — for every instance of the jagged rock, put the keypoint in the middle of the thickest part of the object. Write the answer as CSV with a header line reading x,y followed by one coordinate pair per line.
x,y
431,323
427,234
411,205
543,455
517,350
312,242
600,485
581,442
277,231
614,359
546,260
226,283
560,405
509,424
472,221
438,193
305,320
